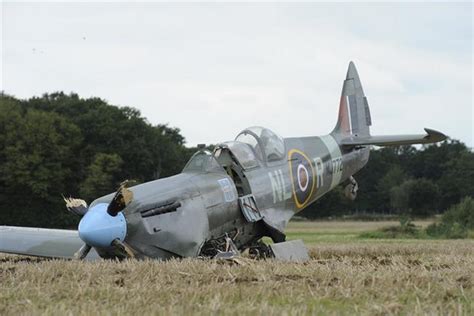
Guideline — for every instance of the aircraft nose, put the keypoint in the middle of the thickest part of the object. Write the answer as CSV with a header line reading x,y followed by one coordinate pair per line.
x,y
98,229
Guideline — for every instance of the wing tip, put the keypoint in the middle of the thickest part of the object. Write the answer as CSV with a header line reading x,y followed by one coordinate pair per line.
x,y
434,135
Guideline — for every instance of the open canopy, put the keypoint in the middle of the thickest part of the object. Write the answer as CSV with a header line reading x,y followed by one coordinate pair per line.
x,y
252,147
267,145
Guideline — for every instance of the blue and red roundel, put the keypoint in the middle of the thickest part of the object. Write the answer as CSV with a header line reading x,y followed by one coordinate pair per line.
x,y
302,177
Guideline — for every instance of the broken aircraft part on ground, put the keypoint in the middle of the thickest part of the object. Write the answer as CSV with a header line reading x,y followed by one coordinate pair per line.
x,y
293,250
223,202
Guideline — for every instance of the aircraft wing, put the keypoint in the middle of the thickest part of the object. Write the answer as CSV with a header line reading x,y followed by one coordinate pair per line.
x,y
431,136
41,242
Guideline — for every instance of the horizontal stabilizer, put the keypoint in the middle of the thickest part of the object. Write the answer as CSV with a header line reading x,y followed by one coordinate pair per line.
x,y
42,242
431,136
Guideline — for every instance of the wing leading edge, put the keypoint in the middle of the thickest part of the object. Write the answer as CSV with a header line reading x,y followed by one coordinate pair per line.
x,y
41,242
431,136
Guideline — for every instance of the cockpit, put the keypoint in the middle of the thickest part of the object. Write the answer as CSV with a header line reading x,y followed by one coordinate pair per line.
x,y
252,148
267,145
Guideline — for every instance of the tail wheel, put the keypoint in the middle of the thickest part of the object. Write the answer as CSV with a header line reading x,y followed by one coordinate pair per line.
x,y
351,189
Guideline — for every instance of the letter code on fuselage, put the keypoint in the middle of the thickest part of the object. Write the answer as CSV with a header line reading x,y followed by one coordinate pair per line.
x,y
278,186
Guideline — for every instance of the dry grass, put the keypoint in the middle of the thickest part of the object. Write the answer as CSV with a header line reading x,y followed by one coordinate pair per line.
x,y
419,277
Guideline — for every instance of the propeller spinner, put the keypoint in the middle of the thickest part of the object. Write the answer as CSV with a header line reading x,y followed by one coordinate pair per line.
x,y
99,229
104,224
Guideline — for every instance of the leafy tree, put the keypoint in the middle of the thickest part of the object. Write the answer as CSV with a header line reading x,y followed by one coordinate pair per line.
x,y
416,197
400,198
62,144
430,162
424,197
457,180
368,198
457,222
393,178
102,176
37,152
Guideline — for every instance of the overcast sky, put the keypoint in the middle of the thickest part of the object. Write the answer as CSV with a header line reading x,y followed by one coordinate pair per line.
x,y
214,69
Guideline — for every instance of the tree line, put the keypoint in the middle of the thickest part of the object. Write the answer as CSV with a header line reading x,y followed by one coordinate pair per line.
x,y
61,144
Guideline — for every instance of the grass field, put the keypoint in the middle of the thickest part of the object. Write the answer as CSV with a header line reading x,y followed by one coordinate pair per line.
x,y
314,233
346,275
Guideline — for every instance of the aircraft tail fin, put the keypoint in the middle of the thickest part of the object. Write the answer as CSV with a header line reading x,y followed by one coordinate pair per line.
x,y
354,114
354,121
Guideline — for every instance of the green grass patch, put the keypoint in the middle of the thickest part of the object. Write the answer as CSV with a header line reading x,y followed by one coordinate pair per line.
x,y
398,232
310,238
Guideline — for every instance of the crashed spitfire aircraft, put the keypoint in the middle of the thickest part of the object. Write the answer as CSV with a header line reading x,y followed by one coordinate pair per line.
x,y
225,201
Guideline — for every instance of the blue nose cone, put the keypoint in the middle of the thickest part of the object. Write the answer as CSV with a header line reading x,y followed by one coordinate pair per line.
x,y
98,229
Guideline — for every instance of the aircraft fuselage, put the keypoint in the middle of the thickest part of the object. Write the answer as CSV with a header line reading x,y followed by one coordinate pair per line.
x,y
209,207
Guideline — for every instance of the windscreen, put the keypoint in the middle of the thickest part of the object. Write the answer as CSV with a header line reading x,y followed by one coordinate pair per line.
x,y
203,161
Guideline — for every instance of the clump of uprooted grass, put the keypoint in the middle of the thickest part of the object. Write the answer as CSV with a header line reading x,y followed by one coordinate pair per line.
x,y
385,278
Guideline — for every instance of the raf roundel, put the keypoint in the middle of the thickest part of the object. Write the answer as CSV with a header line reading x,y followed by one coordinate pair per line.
x,y
302,177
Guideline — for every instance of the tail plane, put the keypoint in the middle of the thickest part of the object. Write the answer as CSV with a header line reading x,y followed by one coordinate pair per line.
x,y
354,119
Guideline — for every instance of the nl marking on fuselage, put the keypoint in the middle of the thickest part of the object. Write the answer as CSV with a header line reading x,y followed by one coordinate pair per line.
x,y
278,186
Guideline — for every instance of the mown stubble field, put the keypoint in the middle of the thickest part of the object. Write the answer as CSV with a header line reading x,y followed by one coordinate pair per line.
x,y
346,275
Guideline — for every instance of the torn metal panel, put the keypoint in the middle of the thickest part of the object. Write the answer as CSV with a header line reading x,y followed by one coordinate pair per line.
x,y
293,250
228,255
121,199
231,250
